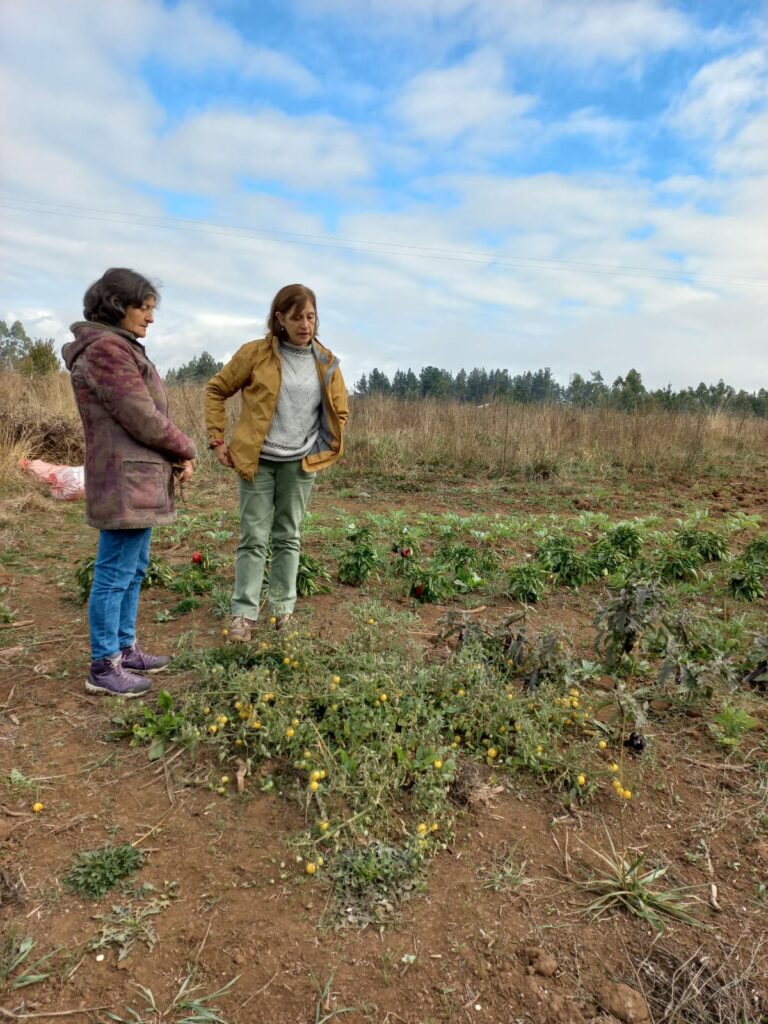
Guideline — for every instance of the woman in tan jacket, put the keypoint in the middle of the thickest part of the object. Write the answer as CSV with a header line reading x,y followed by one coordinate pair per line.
x,y
294,411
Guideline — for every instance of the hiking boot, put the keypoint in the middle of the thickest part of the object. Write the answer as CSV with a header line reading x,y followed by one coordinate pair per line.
x,y
136,660
281,621
240,629
109,678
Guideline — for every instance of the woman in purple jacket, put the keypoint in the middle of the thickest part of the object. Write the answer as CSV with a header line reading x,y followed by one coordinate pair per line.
x,y
132,451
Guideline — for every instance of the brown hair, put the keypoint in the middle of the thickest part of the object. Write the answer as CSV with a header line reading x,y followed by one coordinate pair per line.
x,y
285,300
107,300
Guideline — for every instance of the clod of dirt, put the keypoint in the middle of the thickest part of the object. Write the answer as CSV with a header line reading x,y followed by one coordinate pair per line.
x,y
625,1003
540,962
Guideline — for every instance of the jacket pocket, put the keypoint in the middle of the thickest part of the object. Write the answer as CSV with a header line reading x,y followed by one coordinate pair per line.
x,y
145,485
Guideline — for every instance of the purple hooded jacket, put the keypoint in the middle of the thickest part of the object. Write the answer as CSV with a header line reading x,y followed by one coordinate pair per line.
x,y
130,443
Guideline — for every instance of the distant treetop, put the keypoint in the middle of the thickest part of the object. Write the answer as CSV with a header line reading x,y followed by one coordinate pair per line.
x,y
628,392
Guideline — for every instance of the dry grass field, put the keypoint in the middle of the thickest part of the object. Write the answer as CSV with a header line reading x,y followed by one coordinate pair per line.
x,y
510,765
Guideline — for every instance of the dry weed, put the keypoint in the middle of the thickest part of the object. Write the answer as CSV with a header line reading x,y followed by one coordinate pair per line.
x,y
701,990
543,441
386,435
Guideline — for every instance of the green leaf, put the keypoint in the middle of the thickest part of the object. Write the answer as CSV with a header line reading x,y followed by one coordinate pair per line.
x,y
157,749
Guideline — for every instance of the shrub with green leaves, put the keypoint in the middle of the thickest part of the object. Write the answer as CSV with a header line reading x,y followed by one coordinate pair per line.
x,y
428,583
360,561
569,568
709,545
312,577
625,619
677,564
746,583
159,728
756,552
526,583
94,872
624,538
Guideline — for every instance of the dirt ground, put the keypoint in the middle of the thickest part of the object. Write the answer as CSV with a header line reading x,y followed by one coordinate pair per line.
x,y
458,951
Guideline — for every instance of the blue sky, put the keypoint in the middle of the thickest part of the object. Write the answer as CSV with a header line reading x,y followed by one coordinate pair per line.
x,y
581,184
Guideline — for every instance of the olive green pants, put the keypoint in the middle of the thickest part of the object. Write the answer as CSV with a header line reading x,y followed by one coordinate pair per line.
x,y
272,506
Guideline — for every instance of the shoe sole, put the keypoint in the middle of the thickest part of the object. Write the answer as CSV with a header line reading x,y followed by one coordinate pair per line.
x,y
102,691
146,671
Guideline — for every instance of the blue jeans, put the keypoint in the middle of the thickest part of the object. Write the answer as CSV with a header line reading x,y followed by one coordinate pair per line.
x,y
121,564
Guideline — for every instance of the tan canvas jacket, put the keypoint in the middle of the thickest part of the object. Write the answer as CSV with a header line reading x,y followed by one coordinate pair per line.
x,y
255,371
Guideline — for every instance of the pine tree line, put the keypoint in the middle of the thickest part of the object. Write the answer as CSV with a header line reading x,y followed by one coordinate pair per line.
x,y
628,393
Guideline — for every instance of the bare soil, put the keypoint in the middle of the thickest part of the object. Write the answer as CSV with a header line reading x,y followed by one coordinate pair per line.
x,y
458,951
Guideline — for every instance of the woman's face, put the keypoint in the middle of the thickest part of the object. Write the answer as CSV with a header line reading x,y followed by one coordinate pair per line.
x,y
138,318
299,324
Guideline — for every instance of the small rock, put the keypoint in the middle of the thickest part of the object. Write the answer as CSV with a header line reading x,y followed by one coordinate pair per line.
x,y
540,962
625,1003
238,958
545,966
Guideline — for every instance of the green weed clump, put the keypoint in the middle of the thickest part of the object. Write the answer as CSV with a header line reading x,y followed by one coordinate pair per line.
x,y
16,970
94,872
629,885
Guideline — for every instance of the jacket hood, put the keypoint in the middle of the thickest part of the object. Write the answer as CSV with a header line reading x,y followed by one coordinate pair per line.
x,y
86,332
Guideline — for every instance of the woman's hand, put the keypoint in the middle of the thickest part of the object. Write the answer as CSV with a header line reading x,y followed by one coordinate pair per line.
x,y
221,451
187,469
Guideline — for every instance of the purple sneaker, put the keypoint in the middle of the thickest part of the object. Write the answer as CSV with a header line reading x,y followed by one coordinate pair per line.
x,y
136,660
107,676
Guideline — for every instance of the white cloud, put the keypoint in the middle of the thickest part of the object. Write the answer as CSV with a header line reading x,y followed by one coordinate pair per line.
x,y
583,31
108,143
215,149
721,96
190,37
466,101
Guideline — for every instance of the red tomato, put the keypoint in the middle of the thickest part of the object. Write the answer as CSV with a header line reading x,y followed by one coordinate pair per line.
x,y
197,557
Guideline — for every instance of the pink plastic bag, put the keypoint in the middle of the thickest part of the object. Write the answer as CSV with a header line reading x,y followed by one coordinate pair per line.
x,y
67,483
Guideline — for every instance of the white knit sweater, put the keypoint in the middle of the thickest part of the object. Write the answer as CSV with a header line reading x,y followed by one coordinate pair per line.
x,y
296,422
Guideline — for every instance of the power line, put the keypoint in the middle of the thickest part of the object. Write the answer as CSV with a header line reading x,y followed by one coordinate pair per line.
x,y
367,246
